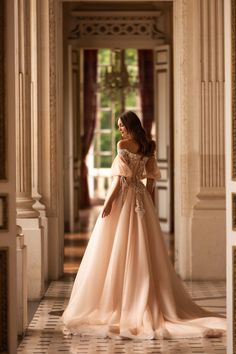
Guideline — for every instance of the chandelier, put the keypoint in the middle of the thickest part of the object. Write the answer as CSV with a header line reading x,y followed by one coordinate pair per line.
x,y
116,78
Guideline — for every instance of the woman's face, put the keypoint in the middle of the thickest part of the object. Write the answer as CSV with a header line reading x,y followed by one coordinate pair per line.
x,y
123,131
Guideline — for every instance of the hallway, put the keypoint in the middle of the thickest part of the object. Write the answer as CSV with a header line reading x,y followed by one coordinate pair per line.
x,y
45,137
44,334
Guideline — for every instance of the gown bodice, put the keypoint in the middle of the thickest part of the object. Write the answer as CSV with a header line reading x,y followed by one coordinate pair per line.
x,y
133,168
136,163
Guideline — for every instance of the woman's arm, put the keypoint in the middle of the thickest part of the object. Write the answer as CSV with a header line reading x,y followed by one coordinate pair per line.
x,y
108,204
151,188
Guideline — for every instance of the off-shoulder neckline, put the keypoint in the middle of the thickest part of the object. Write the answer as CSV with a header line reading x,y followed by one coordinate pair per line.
x,y
132,153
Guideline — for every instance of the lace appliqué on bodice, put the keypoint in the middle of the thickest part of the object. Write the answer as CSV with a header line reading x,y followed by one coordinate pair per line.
x,y
136,164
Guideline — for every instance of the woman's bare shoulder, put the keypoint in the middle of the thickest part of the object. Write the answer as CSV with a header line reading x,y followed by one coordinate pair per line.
x,y
128,144
123,144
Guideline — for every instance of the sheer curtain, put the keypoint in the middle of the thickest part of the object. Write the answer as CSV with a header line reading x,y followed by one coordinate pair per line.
x,y
146,76
90,108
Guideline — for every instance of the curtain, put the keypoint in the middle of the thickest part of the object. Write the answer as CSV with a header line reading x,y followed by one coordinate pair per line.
x,y
146,77
89,122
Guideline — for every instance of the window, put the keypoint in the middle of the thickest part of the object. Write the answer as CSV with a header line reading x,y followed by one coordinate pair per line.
x,y
109,106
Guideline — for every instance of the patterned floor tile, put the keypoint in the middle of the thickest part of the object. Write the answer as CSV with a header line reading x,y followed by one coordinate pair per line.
x,y
44,334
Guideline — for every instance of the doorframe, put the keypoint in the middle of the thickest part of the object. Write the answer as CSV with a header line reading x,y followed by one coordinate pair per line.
x,y
180,119
184,60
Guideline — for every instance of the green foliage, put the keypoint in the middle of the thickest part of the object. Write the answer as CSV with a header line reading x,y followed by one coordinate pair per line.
x,y
105,100
106,161
104,56
105,119
106,142
103,142
117,136
130,56
130,99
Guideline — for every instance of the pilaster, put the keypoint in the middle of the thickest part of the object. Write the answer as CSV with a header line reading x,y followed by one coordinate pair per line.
x,y
55,131
24,200
208,222
31,213
182,54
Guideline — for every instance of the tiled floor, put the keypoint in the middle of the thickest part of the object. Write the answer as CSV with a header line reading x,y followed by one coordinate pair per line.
x,y
44,334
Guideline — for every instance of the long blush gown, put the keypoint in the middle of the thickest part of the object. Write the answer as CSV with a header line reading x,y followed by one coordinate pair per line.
x,y
126,286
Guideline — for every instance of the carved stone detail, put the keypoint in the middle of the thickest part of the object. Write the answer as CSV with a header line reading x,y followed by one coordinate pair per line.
x,y
2,98
3,300
212,95
233,30
89,26
53,108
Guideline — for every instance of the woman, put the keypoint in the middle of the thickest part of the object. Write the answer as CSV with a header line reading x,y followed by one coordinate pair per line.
x,y
126,285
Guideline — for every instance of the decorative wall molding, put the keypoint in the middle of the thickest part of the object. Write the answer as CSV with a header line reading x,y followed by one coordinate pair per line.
x,y
53,108
234,297
233,78
184,89
234,211
2,98
115,24
212,159
3,212
3,300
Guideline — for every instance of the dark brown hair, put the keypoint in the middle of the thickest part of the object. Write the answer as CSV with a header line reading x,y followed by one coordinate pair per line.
x,y
133,125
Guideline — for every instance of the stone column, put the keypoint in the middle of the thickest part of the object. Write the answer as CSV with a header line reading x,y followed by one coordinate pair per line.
x,y
43,154
208,223
35,127
30,211
54,188
24,200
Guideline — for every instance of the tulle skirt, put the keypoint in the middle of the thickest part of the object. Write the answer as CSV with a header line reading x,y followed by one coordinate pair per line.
x,y
126,286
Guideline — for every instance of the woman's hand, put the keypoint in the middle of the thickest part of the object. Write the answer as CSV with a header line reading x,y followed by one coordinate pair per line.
x,y
113,193
107,209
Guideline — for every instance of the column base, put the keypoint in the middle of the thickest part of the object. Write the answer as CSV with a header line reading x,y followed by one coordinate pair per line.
x,y
22,313
24,207
208,239
33,236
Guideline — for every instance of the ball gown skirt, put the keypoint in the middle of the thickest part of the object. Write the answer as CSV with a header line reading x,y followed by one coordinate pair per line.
x,y
126,286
